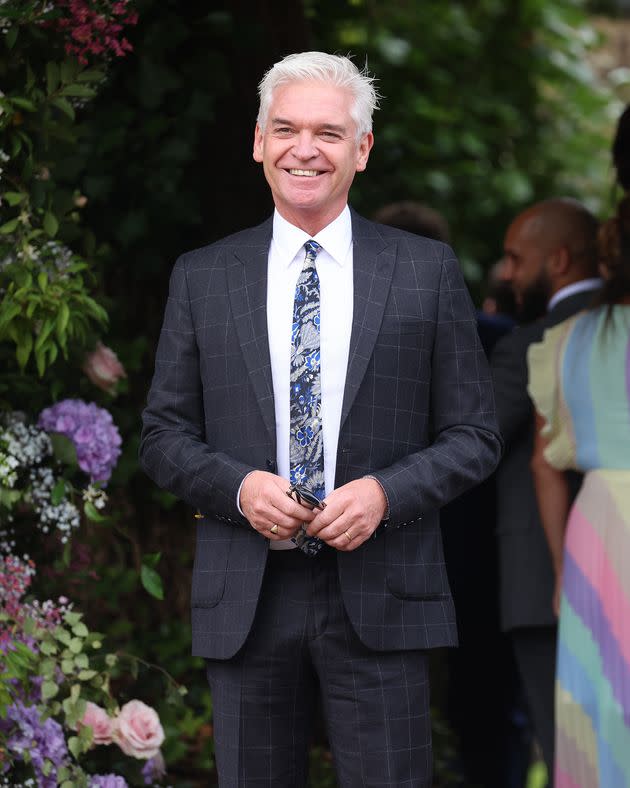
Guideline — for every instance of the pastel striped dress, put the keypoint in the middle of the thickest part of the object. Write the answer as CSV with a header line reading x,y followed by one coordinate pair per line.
x,y
580,383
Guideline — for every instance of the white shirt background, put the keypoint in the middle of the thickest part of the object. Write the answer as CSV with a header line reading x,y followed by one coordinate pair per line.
x,y
334,268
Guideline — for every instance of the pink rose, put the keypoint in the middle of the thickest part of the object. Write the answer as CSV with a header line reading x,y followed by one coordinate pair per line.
x,y
103,368
138,731
101,723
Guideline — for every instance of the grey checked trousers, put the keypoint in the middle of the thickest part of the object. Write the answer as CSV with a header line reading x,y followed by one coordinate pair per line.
x,y
376,704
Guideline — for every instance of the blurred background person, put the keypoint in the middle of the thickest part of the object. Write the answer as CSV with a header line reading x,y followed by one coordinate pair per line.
x,y
481,688
551,264
580,384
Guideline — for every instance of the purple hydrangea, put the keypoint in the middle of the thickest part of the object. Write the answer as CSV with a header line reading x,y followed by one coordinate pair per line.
x,y
107,781
154,769
42,740
91,429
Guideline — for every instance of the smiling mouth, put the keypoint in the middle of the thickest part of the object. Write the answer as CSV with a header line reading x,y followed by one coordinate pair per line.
x,y
305,173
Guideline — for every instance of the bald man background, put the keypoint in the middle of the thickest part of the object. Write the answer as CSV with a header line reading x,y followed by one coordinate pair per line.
x,y
551,264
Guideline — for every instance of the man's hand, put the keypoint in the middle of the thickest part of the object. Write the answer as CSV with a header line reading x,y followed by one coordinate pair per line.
x,y
265,504
351,516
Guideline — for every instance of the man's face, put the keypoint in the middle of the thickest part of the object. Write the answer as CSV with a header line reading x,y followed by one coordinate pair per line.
x,y
310,153
525,268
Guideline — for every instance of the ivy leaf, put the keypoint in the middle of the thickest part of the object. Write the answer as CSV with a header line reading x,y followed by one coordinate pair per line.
x,y
58,492
151,581
49,690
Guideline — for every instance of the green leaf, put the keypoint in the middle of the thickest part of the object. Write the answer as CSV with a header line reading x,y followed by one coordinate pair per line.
x,y
47,647
44,332
69,70
42,281
64,450
151,581
51,224
151,559
80,91
67,666
111,660
74,745
40,361
65,106
11,36
22,103
52,77
9,227
92,513
90,75
80,630
49,690
23,350
86,675
58,492
75,645
81,661
72,619
13,198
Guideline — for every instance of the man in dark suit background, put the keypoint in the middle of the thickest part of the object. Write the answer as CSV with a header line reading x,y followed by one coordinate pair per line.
x,y
323,350
551,263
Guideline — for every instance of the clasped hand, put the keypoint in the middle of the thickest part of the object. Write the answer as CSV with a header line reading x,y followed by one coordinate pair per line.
x,y
352,513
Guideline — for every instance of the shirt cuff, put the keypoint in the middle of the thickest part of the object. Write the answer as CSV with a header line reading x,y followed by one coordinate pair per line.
x,y
238,494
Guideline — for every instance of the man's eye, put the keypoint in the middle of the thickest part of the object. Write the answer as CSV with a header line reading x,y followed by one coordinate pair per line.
x,y
331,135
284,130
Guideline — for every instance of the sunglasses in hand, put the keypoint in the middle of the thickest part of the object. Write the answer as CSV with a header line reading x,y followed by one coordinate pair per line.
x,y
304,496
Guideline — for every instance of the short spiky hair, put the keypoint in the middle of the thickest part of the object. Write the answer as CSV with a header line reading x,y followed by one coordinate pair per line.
x,y
322,67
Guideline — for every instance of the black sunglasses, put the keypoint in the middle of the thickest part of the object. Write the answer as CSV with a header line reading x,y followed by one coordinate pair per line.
x,y
304,496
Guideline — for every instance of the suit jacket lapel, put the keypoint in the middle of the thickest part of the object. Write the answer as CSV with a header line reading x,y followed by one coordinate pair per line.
x,y
373,266
247,288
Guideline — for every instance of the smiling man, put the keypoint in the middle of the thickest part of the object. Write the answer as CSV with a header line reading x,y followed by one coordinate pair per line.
x,y
319,393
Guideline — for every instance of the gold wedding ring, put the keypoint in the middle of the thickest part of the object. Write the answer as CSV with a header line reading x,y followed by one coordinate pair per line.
x,y
274,528
350,538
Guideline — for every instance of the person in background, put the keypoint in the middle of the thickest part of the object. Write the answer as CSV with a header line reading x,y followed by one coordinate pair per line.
x,y
580,385
320,392
481,684
551,263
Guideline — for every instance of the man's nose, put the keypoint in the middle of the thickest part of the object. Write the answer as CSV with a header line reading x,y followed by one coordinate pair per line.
x,y
305,147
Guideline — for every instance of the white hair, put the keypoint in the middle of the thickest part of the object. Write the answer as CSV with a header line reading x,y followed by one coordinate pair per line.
x,y
322,67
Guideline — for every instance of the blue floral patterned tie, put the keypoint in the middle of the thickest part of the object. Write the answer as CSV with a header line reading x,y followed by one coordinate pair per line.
x,y
306,444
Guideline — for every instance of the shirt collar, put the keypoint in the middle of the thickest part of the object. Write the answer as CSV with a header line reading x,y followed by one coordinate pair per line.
x,y
576,287
335,238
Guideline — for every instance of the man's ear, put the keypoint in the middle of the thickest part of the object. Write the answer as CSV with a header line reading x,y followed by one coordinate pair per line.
x,y
258,144
363,152
560,261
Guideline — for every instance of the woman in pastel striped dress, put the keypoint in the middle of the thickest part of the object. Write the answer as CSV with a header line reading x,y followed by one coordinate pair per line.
x,y
580,385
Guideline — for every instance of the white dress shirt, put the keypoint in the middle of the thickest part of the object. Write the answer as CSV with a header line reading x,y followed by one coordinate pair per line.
x,y
334,268
577,287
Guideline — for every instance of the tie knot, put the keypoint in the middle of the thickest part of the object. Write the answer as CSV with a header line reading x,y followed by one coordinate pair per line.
x,y
312,249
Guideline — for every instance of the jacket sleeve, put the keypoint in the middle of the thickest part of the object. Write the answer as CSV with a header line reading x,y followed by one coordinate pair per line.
x,y
509,374
173,450
465,440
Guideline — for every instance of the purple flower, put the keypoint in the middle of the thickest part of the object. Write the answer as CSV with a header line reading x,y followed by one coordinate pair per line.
x,y
107,781
91,429
154,769
43,741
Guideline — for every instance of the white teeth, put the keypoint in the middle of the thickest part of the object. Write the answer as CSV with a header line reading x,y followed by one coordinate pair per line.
x,y
307,173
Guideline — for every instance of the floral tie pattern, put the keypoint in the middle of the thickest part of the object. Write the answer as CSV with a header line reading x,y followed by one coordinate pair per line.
x,y
306,444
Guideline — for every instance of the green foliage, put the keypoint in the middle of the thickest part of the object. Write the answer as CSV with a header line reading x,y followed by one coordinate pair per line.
x,y
46,305
487,107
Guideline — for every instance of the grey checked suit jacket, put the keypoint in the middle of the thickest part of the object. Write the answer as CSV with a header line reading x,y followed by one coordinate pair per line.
x,y
418,414
526,573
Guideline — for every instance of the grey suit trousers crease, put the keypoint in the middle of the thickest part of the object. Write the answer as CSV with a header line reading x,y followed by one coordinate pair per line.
x,y
376,704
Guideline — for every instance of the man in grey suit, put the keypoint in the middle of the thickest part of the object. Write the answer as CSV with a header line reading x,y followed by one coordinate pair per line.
x,y
319,393
550,260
